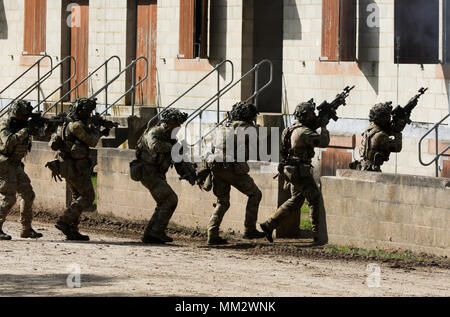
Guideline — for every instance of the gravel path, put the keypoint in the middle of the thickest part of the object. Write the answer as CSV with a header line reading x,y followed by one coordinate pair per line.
x,y
112,266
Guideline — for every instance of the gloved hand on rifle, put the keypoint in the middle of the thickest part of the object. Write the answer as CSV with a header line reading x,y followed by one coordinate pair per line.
x,y
105,132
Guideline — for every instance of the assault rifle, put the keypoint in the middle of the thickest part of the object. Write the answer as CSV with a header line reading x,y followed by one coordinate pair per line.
x,y
328,110
401,115
187,171
37,123
98,121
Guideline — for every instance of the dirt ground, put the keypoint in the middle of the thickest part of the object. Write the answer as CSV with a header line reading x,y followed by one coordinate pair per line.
x,y
114,264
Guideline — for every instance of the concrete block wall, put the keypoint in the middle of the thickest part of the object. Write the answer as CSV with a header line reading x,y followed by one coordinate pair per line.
x,y
50,195
369,210
375,74
120,196
107,37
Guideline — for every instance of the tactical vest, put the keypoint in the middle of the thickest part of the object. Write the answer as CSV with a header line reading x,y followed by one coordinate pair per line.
x,y
366,152
68,144
19,151
303,153
144,153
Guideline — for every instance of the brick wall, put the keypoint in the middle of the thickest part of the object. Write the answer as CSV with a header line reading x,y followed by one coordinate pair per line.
x,y
369,210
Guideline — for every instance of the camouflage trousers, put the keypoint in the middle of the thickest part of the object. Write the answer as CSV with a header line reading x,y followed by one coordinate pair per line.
x,y
14,180
166,199
83,193
304,187
367,165
223,179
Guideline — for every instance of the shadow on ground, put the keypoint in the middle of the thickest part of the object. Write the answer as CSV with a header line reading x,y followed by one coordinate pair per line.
x,y
45,284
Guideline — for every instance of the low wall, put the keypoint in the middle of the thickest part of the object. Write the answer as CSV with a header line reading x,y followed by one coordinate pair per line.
x,y
50,195
365,209
120,196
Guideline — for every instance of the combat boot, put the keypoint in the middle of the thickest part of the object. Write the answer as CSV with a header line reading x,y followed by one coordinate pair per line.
x,y
166,238
216,241
30,233
151,236
151,240
77,236
254,234
267,232
4,236
70,232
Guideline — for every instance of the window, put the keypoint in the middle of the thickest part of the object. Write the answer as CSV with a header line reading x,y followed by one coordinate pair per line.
x,y
338,30
193,29
35,27
416,38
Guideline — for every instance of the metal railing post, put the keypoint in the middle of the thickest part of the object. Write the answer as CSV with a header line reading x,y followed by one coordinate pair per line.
x,y
438,154
106,89
133,86
39,83
218,96
256,86
437,151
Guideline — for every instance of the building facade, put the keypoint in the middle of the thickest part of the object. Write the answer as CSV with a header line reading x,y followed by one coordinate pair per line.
x,y
388,49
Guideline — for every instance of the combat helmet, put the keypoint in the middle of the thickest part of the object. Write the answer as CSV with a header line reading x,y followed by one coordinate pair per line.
x,y
380,112
244,111
83,104
21,108
304,108
174,116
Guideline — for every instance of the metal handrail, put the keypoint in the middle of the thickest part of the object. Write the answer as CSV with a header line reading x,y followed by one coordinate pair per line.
x,y
257,92
35,85
219,90
38,62
67,58
438,155
133,83
104,64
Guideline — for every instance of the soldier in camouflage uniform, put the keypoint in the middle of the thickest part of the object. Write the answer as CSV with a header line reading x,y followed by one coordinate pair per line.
x,y
380,139
15,142
154,159
297,169
73,141
226,174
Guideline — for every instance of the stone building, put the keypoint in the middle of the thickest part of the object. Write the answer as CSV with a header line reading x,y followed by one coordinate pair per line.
x,y
388,49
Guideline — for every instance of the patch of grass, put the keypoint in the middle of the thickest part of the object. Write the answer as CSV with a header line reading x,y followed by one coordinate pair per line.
x,y
305,209
379,252
94,183
305,224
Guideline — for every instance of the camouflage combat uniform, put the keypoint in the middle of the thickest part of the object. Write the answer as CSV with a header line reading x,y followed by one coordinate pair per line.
x,y
376,147
380,139
15,143
154,159
297,170
74,165
226,174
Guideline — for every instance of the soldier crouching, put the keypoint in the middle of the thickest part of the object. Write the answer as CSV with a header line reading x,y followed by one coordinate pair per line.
x,y
229,172
73,141
15,143
153,160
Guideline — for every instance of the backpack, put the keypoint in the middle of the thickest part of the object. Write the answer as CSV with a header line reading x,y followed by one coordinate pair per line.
x,y
286,141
